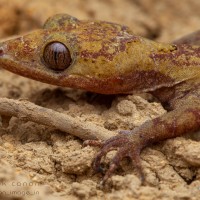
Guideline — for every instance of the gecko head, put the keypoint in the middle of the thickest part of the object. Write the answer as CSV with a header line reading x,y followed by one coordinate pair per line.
x,y
93,55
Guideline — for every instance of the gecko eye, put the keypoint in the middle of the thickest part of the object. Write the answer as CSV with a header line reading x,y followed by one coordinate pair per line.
x,y
57,56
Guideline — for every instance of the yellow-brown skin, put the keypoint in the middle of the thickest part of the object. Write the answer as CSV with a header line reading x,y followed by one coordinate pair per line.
x,y
108,58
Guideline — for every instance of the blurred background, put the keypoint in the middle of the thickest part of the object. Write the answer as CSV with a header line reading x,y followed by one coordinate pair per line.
x,y
162,20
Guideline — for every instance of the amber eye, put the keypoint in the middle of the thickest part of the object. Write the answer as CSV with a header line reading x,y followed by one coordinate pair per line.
x,y
57,56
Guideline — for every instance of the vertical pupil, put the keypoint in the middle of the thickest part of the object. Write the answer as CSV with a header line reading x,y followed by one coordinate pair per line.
x,y
57,56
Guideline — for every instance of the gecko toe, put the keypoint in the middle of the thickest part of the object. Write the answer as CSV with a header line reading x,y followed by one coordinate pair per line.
x,y
113,165
136,161
97,161
109,145
126,148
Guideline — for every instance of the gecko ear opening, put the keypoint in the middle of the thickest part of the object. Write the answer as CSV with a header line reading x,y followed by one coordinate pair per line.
x,y
57,56
60,20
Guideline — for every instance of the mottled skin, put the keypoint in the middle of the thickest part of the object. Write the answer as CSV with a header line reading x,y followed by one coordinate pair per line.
x,y
108,58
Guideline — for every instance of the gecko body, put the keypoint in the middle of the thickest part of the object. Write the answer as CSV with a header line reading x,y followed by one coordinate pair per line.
x,y
108,58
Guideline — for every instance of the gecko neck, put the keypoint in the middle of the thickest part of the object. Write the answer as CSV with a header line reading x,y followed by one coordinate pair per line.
x,y
180,69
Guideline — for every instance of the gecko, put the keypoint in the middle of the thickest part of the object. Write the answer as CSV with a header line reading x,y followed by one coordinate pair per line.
x,y
108,58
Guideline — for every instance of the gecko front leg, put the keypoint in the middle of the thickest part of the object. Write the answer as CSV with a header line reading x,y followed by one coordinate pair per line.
x,y
184,118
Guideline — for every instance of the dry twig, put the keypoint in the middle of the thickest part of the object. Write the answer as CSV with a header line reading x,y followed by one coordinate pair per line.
x,y
28,111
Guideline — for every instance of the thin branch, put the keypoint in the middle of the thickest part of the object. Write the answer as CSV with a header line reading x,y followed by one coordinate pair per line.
x,y
28,111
